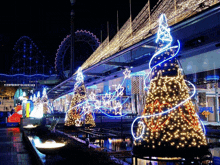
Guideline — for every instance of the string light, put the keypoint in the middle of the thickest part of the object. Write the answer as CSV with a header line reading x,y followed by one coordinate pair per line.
x,y
145,24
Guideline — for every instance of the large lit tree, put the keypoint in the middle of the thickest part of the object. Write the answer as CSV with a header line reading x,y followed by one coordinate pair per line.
x,y
169,125
73,115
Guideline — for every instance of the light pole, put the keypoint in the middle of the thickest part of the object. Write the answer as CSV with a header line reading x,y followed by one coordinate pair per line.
x,y
72,14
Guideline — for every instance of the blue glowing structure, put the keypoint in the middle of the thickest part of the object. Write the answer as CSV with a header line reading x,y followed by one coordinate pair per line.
x,y
164,39
92,87
28,59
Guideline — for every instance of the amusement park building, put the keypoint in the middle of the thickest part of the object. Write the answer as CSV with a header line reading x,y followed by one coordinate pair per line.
x,y
195,24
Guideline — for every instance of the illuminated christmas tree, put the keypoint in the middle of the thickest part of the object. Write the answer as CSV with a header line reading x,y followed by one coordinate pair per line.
x,y
89,116
169,125
44,99
38,107
75,113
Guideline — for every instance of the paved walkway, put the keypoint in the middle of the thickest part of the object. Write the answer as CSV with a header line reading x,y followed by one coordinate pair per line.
x,y
13,151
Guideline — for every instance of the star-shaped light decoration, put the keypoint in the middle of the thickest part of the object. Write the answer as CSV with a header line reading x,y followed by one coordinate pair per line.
x,y
127,73
118,108
97,104
106,99
92,96
119,90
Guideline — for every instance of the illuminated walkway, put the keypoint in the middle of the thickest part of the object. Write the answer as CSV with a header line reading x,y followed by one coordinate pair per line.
x,y
12,148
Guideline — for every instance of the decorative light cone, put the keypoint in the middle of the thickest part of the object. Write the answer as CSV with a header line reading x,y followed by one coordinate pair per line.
x,y
169,125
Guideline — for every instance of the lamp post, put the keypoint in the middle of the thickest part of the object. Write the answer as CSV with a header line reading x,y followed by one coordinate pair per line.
x,y
72,14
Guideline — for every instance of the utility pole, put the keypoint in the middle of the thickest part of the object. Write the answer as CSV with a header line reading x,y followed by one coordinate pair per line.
x,y
72,14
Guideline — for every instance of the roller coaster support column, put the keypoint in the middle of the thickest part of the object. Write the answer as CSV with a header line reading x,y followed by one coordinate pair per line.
x,y
216,102
72,37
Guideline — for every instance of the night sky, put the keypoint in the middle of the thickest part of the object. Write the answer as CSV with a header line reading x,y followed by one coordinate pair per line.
x,y
48,22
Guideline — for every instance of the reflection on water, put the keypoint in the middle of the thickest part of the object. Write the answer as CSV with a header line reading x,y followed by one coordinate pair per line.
x,y
216,150
114,144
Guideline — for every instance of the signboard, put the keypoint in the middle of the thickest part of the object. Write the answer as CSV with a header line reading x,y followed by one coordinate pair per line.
x,y
208,109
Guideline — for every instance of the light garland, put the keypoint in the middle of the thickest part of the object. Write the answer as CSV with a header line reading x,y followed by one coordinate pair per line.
x,y
109,103
146,21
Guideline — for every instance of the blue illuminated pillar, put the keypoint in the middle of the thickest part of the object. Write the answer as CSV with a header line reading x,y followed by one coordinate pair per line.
x,y
128,87
106,87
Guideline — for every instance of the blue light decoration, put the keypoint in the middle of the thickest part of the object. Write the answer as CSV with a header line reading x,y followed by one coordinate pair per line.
x,y
140,73
214,77
164,39
128,87
92,87
109,103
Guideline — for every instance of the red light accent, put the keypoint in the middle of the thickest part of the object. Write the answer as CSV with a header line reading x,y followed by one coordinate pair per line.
x,y
158,125
15,118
